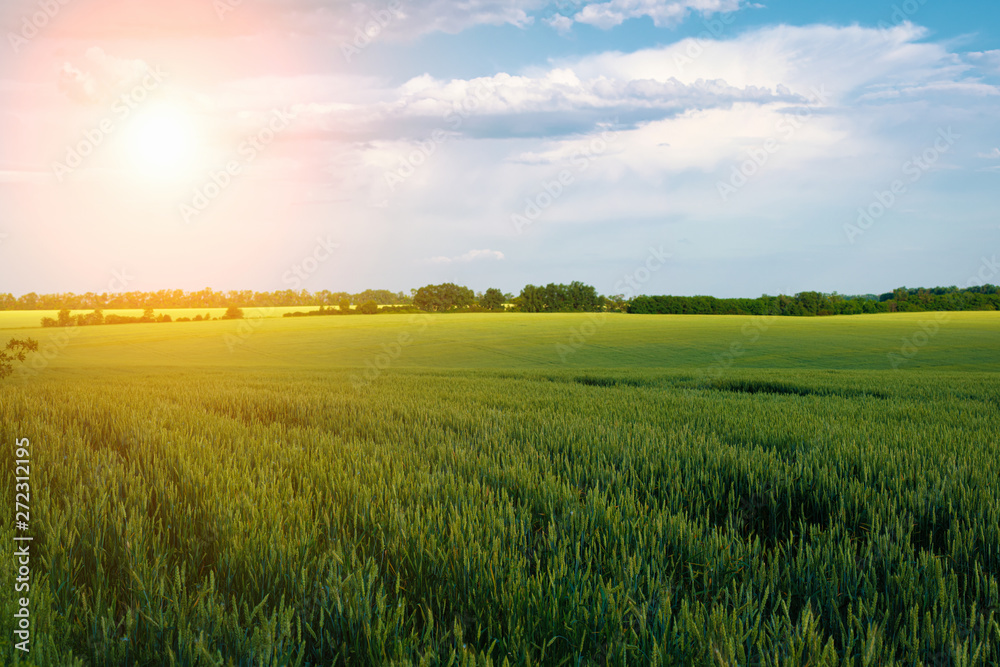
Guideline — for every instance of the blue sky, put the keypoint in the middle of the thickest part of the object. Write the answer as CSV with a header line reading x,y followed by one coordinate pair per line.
x,y
751,147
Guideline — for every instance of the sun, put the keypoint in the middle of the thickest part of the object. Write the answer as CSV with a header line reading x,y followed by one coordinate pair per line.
x,y
161,142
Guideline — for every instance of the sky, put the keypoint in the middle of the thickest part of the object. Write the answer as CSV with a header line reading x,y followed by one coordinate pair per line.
x,y
682,147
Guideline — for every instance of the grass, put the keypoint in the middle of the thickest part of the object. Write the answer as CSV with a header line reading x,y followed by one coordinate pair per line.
x,y
255,494
963,341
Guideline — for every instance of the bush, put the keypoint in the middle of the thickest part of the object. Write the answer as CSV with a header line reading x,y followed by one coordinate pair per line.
x,y
369,308
233,313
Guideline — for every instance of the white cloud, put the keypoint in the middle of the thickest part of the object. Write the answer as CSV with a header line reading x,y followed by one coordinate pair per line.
x,y
827,151
974,88
781,67
100,76
417,17
664,13
988,60
452,17
343,22
471,256
403,19
839,58
562,89
550,102
881,89
991,155
562,24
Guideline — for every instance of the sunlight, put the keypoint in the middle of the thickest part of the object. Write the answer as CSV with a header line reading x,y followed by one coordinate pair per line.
x,y
161,142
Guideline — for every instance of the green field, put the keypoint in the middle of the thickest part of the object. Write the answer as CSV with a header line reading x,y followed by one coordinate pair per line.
x,y
505,488
965,341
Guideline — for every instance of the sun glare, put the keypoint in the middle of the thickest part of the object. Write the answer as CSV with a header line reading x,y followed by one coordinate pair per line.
x,y
161,142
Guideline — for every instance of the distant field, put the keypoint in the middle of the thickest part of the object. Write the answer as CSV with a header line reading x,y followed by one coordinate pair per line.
x,y
953,341
510,489
17,319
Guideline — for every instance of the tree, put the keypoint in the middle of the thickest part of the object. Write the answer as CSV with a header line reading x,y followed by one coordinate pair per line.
x,y
345,305
233,313
382,297
16,350
446,296
558,298
583,298
492,299
616,302
369,308
532,299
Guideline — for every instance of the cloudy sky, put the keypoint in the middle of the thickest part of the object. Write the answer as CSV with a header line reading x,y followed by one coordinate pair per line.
x,y
735,148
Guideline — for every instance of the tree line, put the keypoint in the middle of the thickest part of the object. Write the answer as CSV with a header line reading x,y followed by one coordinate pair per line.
x,y
900,300
96,318
206,298
551,298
